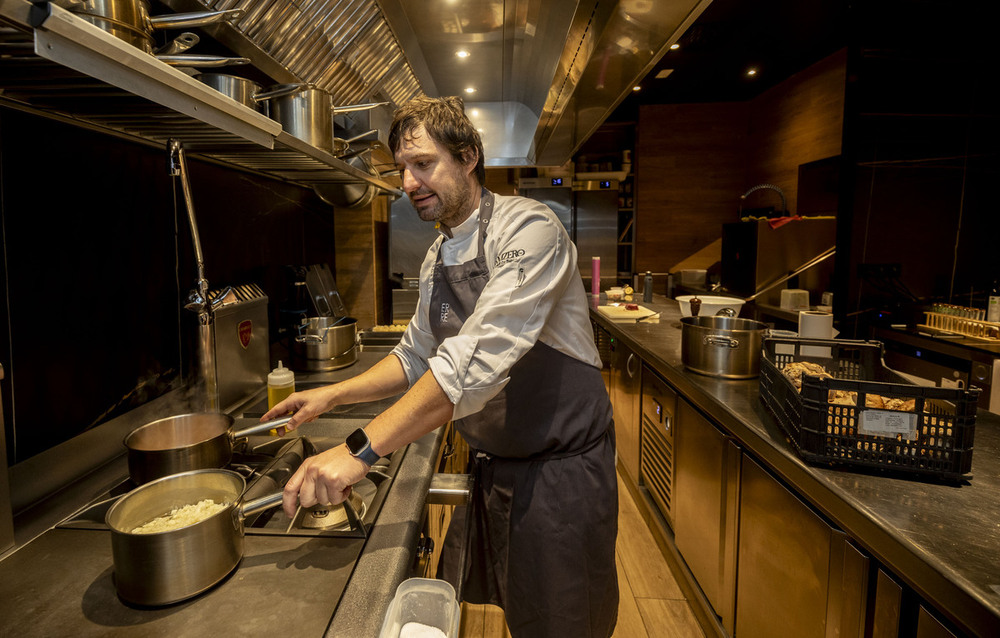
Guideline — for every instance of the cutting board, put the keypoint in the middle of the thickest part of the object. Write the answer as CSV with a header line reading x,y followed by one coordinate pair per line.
x,y
619,313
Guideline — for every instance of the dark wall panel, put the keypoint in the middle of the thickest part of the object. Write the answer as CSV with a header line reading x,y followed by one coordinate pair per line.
x,y
98,256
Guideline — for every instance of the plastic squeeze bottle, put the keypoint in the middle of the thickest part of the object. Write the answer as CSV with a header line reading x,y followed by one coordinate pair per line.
x,y
280,384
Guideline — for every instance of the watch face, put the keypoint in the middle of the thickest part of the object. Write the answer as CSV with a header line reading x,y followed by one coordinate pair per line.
x,y
357,441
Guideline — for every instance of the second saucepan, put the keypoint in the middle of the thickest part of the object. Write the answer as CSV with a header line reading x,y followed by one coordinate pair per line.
x,y
185,442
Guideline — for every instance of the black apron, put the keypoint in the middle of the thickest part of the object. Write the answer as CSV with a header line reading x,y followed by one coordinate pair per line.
x,y
544,511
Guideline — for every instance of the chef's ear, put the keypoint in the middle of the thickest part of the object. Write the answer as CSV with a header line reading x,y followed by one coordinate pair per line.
x,y
470,158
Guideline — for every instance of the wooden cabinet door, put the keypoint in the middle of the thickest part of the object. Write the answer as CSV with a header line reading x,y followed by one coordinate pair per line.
x,y
783,571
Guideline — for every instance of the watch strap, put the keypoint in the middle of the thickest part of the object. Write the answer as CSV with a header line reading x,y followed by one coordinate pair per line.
x,y
368,455
363,451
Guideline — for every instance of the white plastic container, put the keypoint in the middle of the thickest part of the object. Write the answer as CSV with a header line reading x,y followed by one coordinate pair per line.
x,y
693,277
427,601
795,299
710,304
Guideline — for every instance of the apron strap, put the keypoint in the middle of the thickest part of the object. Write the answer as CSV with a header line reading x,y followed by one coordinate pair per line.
x,y
478,455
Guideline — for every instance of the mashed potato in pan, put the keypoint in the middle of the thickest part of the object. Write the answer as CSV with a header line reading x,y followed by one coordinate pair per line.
x,y
181,517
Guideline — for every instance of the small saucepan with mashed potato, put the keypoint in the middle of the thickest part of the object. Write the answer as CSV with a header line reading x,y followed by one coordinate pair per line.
x,y
177,536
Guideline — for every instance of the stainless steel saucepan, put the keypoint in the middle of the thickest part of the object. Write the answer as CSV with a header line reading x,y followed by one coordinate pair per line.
x,y
185,442
166,567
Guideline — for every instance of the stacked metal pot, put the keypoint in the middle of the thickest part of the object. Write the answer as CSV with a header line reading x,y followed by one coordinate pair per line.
x,y
130,21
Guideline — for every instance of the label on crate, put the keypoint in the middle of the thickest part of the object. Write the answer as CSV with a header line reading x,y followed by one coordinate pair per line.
x,y
888,424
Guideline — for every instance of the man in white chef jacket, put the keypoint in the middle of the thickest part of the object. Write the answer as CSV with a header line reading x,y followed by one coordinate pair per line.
x,y
501,344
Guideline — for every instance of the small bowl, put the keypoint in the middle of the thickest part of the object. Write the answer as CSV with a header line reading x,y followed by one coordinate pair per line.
x,y
614,294
710,304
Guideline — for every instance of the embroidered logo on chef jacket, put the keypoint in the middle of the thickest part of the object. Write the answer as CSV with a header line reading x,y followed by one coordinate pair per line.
x,y
445,311
508,256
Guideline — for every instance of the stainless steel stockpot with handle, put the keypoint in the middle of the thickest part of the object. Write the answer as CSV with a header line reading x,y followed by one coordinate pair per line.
x,y
326,343
241,90
306,111
166,567
727,347
130,21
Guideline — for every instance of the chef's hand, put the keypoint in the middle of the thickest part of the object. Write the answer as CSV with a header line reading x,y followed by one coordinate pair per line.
x,y
306,405
323,479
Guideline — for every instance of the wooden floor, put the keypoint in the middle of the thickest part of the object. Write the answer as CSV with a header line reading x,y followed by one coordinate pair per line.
x,y
651,603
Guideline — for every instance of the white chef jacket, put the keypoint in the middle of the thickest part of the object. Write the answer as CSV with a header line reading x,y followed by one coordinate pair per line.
x,y
535,293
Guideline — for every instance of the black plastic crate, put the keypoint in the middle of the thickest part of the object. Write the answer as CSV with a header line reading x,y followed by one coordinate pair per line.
x,y
930,434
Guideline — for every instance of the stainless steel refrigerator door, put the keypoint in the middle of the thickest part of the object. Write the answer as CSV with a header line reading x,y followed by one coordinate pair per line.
x,y
596,223
409,239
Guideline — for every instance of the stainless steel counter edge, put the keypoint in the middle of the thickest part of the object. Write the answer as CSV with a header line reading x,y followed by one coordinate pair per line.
x,y
389,551
736,407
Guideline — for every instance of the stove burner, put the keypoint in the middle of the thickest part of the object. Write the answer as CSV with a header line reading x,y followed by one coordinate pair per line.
x,y
328,517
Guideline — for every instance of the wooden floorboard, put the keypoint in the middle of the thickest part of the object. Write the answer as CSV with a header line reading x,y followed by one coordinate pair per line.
x,y
651,604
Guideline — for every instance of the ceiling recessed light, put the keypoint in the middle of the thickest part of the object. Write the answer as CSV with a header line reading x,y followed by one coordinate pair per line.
x,y
674,46
751,72
636,88
470,90
462,53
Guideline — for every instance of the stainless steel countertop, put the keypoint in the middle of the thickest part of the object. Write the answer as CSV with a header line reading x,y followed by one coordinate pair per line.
x,y
942,539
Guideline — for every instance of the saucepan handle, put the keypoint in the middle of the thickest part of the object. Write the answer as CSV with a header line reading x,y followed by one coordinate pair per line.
x,y
260,504
280,91
195,19
262,427
722,341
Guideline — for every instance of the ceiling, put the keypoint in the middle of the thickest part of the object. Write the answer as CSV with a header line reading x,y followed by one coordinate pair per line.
x,y
776,37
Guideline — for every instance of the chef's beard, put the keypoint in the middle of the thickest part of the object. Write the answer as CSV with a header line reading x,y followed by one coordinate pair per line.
x,y
451,204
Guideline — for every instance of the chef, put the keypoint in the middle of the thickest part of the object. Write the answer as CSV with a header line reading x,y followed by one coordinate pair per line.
x,y
501,344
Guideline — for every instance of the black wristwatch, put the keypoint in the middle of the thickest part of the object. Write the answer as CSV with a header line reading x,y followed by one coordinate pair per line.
x,y
360,447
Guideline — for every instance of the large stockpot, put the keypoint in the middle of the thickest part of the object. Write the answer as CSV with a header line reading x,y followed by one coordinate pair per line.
x,y
185,442
326,343
727,347
167,567
129,20
306,111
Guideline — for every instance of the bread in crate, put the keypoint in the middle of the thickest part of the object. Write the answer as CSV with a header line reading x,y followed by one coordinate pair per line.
x,y
849,409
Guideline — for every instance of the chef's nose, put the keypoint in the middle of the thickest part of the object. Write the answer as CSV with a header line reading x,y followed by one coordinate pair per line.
x,y
410,183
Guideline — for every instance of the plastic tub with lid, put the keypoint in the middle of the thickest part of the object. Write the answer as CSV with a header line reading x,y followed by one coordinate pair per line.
x,y
420,606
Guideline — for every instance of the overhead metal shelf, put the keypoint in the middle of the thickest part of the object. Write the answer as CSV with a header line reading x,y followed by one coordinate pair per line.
x,y
58,63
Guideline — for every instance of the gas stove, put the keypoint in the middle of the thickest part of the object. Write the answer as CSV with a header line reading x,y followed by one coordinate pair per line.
x,y
266,463
291,578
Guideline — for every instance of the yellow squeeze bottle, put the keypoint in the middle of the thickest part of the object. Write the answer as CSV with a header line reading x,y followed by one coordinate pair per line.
x,y
280,384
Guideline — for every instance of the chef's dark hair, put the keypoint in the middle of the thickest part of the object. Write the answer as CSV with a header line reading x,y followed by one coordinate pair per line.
x,y
445,121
